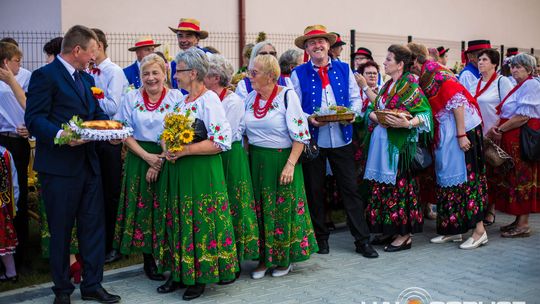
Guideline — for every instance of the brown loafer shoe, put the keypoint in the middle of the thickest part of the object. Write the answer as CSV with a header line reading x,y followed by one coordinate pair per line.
x,y
517,232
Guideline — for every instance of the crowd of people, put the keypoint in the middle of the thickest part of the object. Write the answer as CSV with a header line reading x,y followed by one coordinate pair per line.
x,y
250,185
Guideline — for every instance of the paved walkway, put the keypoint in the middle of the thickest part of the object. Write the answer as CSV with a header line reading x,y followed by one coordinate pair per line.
x,y
505,269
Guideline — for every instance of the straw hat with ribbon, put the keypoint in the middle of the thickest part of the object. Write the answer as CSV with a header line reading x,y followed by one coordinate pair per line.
x,y
142,42
315,31
190,25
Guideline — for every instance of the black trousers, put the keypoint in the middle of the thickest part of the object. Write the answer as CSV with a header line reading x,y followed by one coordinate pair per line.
x,y
110,160
20,150
68,199
342,163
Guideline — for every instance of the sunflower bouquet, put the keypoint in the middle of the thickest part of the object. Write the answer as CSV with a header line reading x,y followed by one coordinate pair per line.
x,y
178,131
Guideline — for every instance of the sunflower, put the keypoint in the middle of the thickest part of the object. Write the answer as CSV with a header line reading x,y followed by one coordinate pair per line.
x,y
187,136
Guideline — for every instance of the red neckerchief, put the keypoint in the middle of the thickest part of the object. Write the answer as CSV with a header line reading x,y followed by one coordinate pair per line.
x,y
323,74
259,112
95,71
222,94
490,81
150,106
499,107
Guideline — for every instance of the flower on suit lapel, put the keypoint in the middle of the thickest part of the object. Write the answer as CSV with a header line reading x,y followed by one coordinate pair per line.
x,y
98,93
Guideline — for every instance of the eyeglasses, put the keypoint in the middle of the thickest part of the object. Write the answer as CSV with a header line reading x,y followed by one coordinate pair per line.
x,y
253,73
268,53
371,73
182,70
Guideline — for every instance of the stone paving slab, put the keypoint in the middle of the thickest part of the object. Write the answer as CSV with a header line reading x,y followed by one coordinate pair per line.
x,y
505,269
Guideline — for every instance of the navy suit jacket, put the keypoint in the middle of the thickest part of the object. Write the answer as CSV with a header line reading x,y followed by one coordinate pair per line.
x,y
133,75
52,100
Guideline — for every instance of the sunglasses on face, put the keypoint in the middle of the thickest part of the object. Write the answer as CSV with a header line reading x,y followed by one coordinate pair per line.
x,y
273,53
253,73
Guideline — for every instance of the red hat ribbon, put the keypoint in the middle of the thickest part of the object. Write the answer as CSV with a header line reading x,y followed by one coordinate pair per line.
x,y
189,25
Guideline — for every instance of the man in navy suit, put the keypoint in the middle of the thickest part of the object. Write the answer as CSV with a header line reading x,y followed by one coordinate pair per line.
x,y
69,174
144,46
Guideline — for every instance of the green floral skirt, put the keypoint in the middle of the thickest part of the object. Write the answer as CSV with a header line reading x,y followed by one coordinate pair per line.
x,y
135,230
199,245
241,202
286,232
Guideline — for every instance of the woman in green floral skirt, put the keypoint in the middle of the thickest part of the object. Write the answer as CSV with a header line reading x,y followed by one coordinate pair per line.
x,y
277,131
144,110
201,246
235,161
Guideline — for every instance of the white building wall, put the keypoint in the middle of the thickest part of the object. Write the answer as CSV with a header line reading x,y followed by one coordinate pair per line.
x,y
30,15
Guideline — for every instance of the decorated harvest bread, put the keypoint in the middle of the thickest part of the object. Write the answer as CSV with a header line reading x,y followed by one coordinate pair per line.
x,y
102,125
397,112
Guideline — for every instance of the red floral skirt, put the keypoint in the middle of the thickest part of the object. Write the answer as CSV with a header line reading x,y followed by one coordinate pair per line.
x,y
8,237
520,184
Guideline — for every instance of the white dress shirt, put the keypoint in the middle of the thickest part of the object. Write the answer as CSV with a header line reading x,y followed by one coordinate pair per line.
x,y
330,135
234,110
23,78
525,101
490,99
467,79
208,108
112,80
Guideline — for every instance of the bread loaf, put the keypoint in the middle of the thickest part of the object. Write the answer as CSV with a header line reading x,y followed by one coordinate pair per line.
x,y
102,125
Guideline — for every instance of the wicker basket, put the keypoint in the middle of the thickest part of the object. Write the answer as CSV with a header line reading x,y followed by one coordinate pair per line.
x,y
381,115
495,156
335,117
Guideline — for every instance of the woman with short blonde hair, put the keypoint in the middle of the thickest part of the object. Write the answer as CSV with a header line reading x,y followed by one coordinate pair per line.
x,y
277,130
144,110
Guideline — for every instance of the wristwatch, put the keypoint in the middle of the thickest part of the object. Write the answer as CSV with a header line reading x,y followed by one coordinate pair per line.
x,y
410,125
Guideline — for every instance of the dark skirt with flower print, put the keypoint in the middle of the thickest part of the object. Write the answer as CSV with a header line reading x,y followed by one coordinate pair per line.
x,y
395,209
461,207
286,232
521,184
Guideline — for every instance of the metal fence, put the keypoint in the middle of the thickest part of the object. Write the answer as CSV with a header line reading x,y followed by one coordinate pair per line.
x,y
32,43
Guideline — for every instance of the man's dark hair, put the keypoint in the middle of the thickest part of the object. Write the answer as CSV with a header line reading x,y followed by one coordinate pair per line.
x,y
53,46
101,38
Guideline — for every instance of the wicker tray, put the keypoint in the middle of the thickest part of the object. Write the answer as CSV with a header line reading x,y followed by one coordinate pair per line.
x,y
335,117
495,156
381,115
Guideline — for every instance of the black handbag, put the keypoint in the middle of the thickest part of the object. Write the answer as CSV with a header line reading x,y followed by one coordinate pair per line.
x,y
422,159
200,131
311,150
529,143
